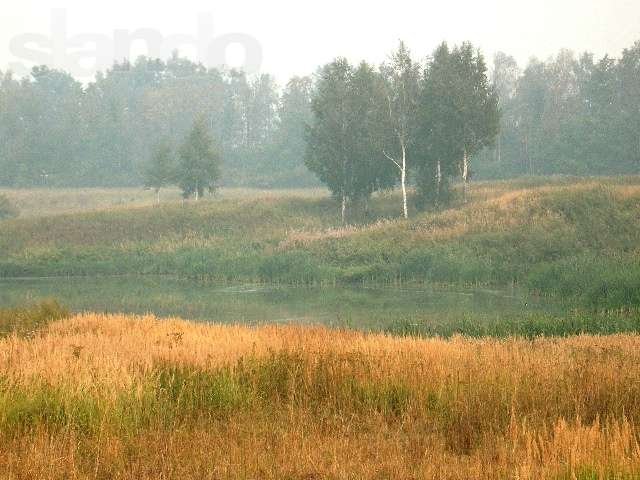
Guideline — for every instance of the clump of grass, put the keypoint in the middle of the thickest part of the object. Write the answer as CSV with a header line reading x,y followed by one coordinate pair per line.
x,y
595,282
25,321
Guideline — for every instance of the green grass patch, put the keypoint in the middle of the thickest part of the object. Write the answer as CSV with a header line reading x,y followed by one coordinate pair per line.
x,y
27,320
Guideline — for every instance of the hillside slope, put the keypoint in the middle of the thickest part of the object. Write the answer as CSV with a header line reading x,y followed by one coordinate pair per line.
x,y
577,238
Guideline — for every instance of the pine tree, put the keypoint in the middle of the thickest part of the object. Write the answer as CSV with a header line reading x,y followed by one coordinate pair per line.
x,y
200,161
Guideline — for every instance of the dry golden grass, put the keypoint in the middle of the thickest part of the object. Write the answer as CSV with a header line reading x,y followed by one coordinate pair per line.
x,y
327,404
492,207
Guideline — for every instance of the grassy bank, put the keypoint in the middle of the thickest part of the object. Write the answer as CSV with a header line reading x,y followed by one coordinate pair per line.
x,y
570,238
124,397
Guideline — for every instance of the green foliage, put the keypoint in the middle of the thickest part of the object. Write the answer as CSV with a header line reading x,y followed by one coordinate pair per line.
x,y
102,134
572,114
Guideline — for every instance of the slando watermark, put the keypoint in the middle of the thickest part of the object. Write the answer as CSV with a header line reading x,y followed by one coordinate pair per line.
x,y
85,54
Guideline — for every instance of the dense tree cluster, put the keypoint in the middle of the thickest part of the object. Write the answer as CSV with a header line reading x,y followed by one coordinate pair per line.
x,y
373,128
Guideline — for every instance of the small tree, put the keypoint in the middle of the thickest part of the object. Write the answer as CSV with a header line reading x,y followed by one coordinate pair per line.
x,y
7,209
200,159
160,172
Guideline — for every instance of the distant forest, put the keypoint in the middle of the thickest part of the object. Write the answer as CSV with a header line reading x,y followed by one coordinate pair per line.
x,y
573,115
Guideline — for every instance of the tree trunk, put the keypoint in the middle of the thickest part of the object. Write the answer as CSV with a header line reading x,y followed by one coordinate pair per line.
x,y
158,196
499,149
465,174
344,210
403,175
197,191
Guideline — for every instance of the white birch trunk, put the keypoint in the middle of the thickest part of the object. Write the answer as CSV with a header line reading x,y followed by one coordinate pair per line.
x,y
465,174
438,181
344,210
403,175
158,196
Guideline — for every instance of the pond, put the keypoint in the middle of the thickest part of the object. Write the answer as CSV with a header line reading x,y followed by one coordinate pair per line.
x,y
376,308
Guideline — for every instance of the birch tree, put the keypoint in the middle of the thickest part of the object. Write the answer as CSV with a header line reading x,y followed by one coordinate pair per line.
x,y
402,78
330,133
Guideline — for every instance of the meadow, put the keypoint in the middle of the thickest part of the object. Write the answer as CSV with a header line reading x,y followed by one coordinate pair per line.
x,y
565,238
495,393
111,396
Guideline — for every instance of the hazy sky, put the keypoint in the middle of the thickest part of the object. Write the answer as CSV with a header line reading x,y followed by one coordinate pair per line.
x,y
296,36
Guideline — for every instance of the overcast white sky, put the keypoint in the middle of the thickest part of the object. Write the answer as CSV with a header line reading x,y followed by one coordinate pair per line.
x,y
297,36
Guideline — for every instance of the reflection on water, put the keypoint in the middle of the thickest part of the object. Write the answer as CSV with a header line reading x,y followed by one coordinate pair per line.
x,y
355,307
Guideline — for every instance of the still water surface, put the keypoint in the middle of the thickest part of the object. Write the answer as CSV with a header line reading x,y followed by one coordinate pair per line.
x,y
353,307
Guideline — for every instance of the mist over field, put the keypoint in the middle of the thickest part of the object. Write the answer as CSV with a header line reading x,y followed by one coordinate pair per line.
x,y
362,240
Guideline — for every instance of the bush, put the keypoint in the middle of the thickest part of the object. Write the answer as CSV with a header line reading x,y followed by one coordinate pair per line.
x,y
7,209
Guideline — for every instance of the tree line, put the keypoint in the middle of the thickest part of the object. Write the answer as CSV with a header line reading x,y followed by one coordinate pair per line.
x,y
55,131
569,114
